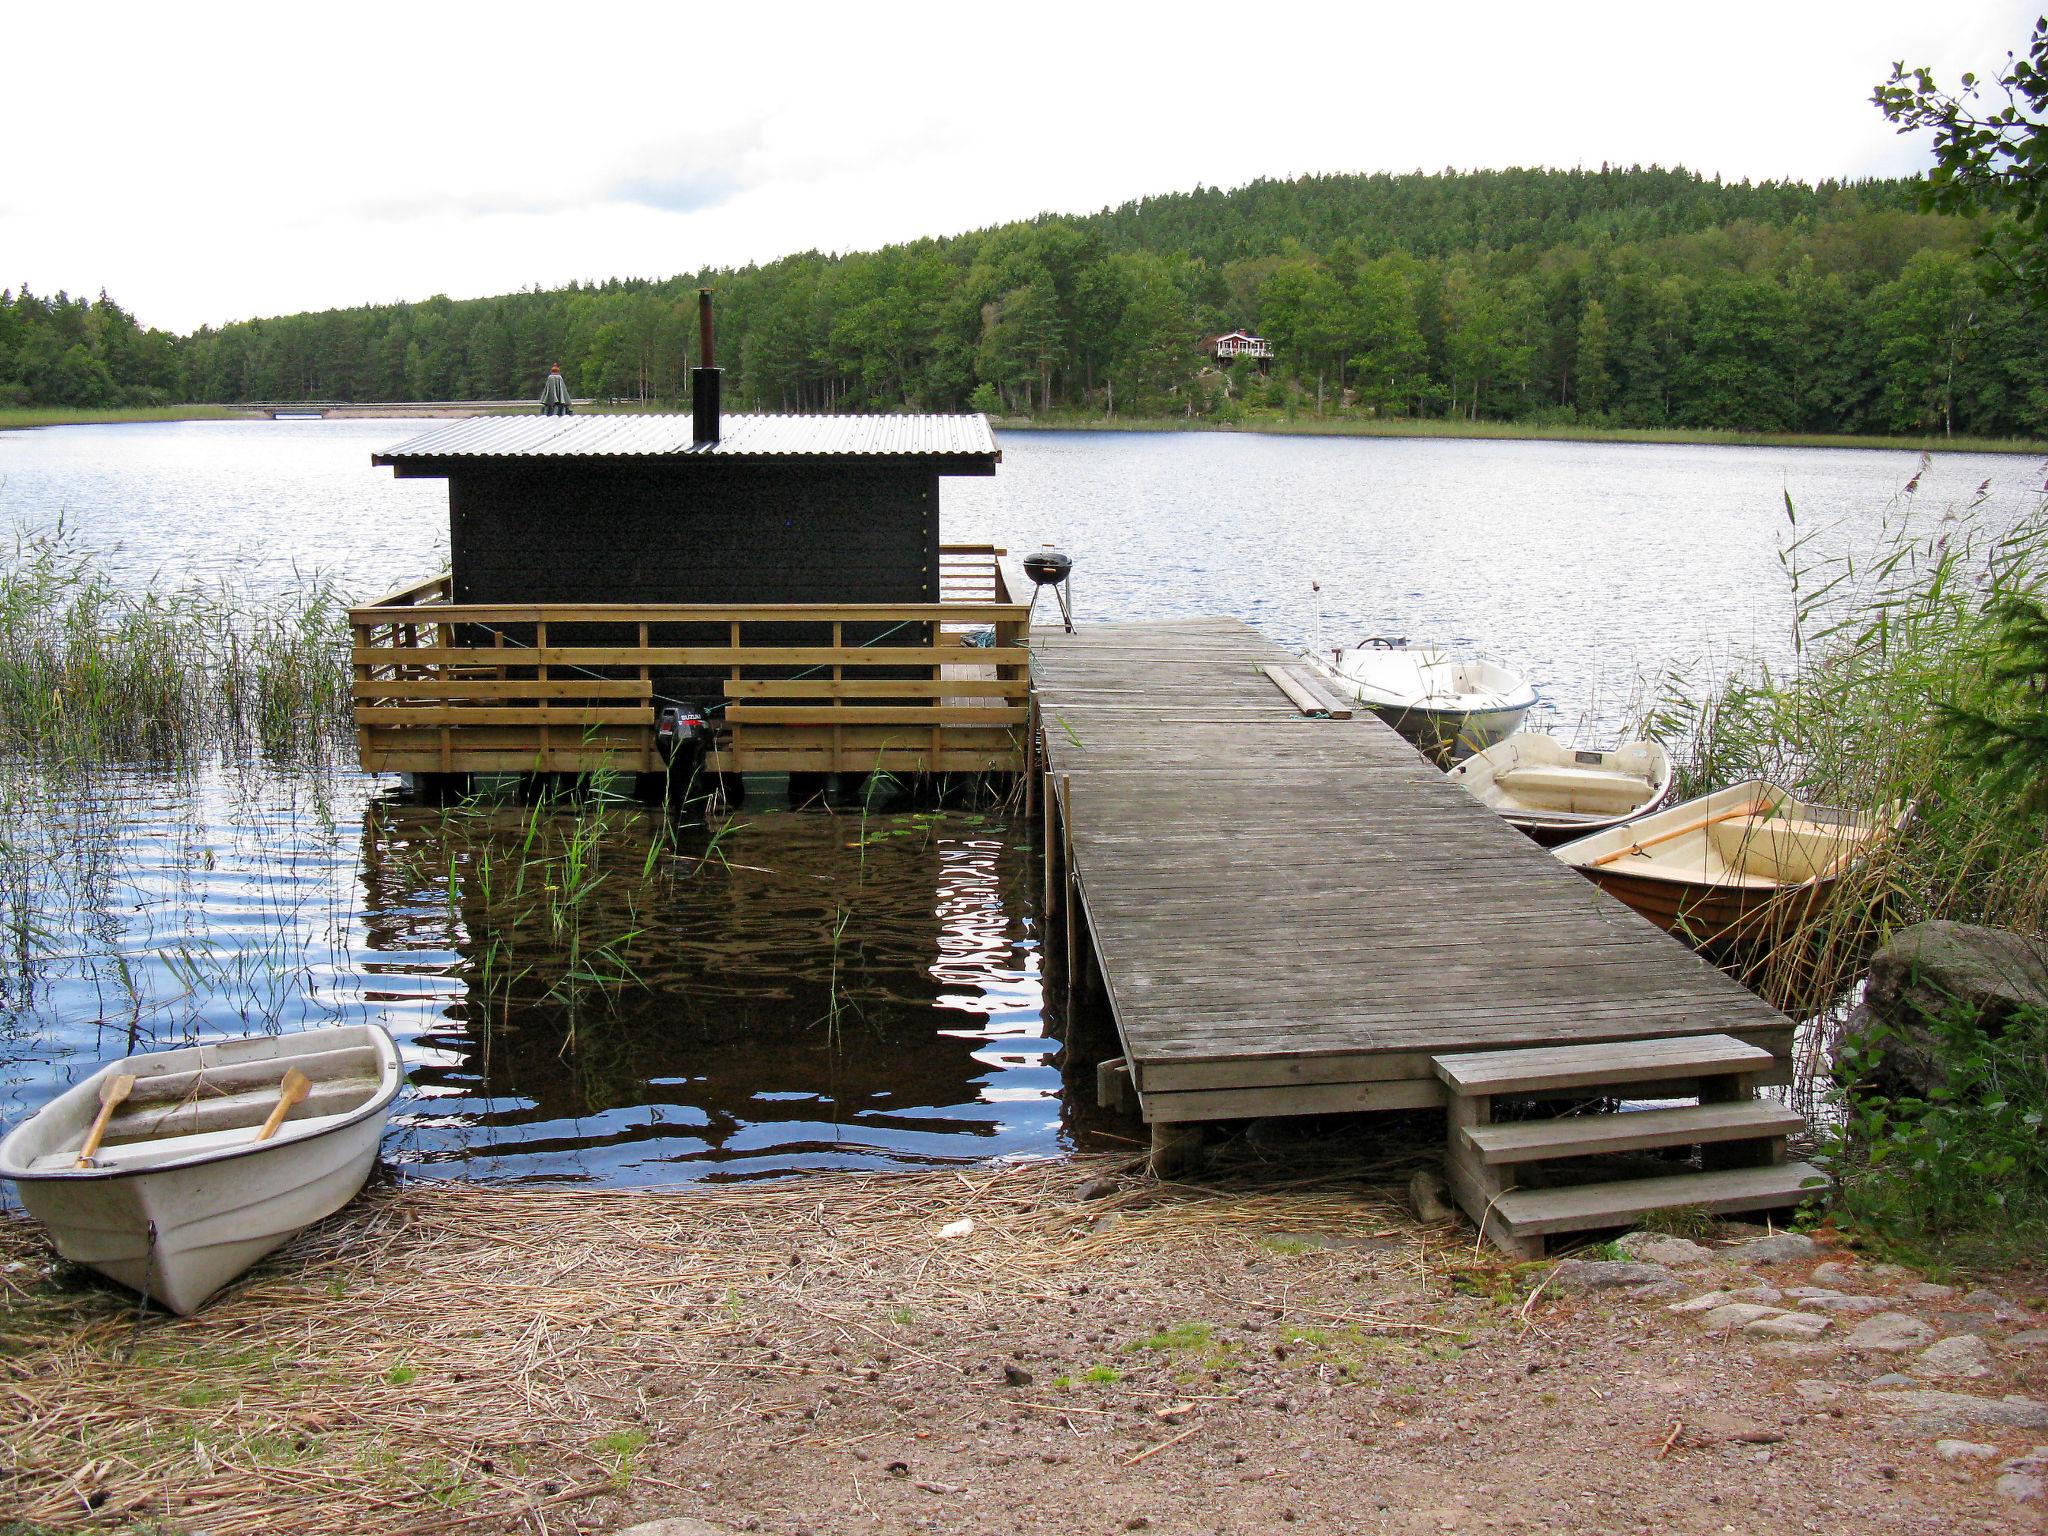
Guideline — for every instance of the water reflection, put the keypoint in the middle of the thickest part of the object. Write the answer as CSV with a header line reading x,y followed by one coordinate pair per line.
x,y
791,988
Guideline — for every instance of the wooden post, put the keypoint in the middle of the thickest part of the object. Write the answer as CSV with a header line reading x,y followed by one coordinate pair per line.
x,y
1176,1149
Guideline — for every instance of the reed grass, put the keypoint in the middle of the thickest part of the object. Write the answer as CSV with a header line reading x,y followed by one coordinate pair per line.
x,y
93,674
1895,651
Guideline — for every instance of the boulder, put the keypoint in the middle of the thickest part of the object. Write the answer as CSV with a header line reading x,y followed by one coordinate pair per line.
x,y
1656,1248
1932,971
1891,1333
1579,1275
1778,1248
1961,1354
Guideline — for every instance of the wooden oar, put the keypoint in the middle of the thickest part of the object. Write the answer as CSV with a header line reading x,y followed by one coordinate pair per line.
x,y
112,1092
1753,808
292,1090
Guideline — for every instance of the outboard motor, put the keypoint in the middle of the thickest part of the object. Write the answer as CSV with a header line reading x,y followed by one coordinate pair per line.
x,y
1048,567
679,734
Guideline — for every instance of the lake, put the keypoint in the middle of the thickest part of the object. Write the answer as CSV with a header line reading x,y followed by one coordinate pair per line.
x,y
801,989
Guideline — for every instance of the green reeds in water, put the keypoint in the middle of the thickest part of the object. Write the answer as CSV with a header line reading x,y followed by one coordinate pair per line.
x,y
92,673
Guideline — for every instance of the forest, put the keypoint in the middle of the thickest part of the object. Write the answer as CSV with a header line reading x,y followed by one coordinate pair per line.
x,y
1638,297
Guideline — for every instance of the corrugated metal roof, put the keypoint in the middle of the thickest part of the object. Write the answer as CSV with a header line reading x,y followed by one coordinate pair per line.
x,y
746,437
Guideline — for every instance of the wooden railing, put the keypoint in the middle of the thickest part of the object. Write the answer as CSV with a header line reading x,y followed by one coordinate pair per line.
x,y
452,688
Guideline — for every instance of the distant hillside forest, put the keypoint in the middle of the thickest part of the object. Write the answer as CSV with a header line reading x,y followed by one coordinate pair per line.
x,y
1631,298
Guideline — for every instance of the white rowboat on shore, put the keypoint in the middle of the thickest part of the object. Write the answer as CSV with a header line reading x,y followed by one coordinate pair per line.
x,y
181,1195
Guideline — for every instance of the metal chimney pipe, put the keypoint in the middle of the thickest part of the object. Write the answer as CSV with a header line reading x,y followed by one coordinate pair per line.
x,y
704,380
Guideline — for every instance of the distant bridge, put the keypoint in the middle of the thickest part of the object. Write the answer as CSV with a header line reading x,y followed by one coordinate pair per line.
x,y
275,409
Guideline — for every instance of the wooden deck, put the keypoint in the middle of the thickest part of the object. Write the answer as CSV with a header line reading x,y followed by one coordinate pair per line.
x,y
1294,915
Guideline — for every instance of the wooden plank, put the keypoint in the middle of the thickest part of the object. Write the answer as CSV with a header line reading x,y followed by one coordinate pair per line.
x,y
974,613
686,655
877,687
1577,1207
913,715
1598,1066
1304,698
503,688
1313,1099
539,715
1585,1135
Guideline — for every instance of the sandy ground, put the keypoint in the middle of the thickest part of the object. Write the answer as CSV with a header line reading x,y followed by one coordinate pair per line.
x,y
1099,1353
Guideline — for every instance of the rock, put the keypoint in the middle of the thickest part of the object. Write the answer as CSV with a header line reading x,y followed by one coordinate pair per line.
x,y
1705,1302
1817,1391
1964,1450
1015,1376
1762,1295
2032,1338
1890,1333
1837,1272
1429,1197
2021,1488
1937,970
1735,1314
1656,1248
1778,1248
1892,1379
1578,1275
1836,1302
1789,1325
1995,1304
1927,1290
1798,1351
1960,1354
1097,1189
1955,1412
676,1525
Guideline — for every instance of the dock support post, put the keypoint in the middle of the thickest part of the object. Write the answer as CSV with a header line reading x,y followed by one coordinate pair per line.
x,y
1176,1149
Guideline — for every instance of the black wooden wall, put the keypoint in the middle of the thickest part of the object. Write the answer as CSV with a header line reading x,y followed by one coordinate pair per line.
x,y
836,530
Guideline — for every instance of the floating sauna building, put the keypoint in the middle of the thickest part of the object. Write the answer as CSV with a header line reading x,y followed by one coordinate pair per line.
x,y
615,578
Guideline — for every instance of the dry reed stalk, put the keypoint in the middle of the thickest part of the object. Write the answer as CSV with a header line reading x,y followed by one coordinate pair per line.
x,y
444,1355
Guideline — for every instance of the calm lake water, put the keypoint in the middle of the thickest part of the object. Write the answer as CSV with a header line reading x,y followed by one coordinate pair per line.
x,y
811,989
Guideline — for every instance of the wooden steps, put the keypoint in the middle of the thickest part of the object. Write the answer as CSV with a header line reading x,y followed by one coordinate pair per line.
x,y
1696,1125
1575,1207
1741,1140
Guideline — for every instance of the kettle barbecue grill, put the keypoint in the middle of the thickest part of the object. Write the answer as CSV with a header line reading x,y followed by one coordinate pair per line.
x,y
1048,567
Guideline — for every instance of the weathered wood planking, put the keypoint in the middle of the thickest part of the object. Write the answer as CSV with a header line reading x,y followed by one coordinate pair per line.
x,y
1294,915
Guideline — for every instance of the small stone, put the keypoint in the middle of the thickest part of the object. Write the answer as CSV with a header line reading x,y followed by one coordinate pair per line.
x,y
1138,1523
1804,1352
1577,1275
1016,1376
1778,1248
1097,1189
1789,1325
1817,1391
1736,1314
1656,1248
1892,1379
1960,1354
676,1525
2021,1488
1703,1303
1890,1272
2032,1338
1836,1302
1429,1197
1890,1333
1927,1290
1837,1272
1964,1450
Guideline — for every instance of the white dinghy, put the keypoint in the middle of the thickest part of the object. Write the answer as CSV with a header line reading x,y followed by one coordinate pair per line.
x,y
1555,793
174,1171
1448,706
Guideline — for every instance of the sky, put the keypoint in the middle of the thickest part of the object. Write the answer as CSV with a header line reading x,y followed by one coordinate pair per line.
x,y
209,163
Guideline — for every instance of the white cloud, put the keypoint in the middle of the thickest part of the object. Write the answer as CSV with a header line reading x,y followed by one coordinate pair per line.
x,y
238,160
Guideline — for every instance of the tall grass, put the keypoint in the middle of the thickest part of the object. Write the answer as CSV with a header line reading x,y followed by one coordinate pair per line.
x,y
92,673
1887,645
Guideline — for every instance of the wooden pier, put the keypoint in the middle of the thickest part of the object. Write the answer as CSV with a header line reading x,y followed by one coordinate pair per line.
x,y
1291,913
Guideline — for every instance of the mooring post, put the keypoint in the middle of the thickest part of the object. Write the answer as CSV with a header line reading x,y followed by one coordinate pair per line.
x,y
1176,1149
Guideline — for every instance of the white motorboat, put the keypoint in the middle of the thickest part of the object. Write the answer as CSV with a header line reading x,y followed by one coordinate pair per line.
x,y
174,1171
1448,706
1554,792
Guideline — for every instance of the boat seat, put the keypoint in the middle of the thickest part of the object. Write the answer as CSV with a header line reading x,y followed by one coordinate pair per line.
x,y
1781,848
165,1149
1583,789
